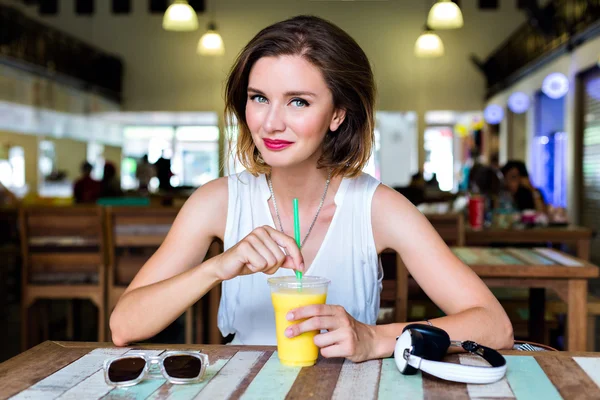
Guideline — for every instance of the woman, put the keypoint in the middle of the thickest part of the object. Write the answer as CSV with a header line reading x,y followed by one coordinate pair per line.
x,y
516,180
302,92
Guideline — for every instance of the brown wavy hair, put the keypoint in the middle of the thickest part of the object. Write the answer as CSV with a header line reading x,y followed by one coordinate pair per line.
x,y
347,73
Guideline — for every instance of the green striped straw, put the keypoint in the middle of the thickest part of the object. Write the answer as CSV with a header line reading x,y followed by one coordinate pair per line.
x,y
297,232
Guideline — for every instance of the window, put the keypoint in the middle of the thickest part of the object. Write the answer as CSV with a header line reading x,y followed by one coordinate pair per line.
x,y
12,170
193,151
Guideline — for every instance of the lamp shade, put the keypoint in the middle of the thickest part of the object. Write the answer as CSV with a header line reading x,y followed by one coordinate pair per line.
x,y
493,114
429,45
211,43
445,15
518,102
555,85
180,16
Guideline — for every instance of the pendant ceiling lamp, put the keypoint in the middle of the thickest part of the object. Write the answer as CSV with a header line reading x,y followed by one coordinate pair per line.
x,y
429,45
211,43
180,16
445,15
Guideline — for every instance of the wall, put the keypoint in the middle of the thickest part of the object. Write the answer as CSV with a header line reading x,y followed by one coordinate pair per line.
x,y
69,156
30,147
582,58
113,154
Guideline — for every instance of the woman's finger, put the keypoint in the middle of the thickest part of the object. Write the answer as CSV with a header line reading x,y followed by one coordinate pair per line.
x,y
289,244
331,338
268,241
312,324
263,250
313,310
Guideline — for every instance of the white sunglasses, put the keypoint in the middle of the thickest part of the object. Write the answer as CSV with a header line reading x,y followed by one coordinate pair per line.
x,y
177,367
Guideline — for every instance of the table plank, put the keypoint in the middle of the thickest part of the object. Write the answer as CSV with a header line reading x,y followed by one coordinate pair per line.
x,y
318,381
496,390
559,257
61,381
358,380
528,380
183,392
530,256
92,387
591,366
25,369
231,375
570,380
435,388
393,384
273,381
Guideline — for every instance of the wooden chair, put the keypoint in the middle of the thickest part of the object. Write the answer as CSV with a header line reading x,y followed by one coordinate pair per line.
x,y
63,258
133,235
451,229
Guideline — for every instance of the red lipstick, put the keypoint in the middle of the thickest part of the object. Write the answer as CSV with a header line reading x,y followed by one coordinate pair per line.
x,y
277,145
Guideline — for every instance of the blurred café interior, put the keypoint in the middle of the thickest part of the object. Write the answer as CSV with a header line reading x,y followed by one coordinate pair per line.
x,y
111,114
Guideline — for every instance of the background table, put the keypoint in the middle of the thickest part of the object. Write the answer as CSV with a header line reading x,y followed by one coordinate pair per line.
x,y
578,236
529,268
74,371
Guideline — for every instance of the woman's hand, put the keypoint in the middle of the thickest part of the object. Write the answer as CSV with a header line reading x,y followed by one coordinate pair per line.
x,y
346,337
260,251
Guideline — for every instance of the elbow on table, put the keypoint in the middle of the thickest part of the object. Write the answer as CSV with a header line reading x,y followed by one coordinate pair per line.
x,y
505,338
117,331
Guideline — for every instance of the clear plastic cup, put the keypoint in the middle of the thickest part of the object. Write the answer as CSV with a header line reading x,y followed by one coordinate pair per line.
x,y
288,293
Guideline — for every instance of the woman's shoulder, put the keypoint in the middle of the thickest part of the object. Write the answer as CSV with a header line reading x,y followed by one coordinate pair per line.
x,y
364,181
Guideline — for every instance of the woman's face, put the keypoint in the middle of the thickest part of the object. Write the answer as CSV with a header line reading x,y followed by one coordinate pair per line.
x,y
512,180
289,110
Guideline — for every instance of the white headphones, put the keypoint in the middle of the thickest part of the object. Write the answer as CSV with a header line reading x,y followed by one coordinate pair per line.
x,y
422,347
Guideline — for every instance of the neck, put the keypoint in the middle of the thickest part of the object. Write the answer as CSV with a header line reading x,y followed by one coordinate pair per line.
x,y
307,185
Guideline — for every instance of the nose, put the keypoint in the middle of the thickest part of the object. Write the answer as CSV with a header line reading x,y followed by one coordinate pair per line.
x,y
274,120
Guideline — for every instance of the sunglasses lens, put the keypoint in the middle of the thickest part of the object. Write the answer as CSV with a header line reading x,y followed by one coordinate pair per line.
x,y
126,369
183,366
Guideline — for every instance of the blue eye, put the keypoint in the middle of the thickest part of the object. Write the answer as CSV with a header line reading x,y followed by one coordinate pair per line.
x,y
299,103
258,98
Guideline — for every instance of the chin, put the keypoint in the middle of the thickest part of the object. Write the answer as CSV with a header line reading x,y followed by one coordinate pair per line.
x,y
281,159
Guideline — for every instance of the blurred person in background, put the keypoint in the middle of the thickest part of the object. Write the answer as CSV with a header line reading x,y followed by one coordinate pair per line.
x,y
86,189
516,180
144,172
163,172
110,185
7,198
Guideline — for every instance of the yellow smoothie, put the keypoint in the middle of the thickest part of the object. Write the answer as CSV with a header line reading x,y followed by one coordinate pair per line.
x,y
299,351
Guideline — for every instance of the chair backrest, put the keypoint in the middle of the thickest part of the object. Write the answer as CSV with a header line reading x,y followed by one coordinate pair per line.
x,y
450,227
62,244
134,233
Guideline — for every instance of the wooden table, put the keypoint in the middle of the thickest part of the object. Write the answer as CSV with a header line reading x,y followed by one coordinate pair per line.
x,y
574,235
74,371
529,268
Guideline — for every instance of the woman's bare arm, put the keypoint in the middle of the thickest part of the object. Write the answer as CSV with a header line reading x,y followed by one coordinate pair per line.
x,y
174,278
472,310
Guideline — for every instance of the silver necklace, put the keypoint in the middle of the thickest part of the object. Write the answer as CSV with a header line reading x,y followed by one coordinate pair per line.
x,y
316,215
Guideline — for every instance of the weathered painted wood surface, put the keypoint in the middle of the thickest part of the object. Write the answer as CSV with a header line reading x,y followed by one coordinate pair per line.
x,y
74,371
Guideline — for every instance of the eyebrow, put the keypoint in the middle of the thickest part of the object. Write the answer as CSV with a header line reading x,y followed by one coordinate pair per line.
x,y
287,94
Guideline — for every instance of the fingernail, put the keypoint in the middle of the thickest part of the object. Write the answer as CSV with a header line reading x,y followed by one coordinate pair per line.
x,y
288,332
290,316
302,267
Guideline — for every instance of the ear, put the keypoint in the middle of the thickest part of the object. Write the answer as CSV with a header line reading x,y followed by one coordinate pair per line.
x,y
338,117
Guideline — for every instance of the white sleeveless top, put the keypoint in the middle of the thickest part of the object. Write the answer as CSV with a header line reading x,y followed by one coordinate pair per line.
x,y
347,256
